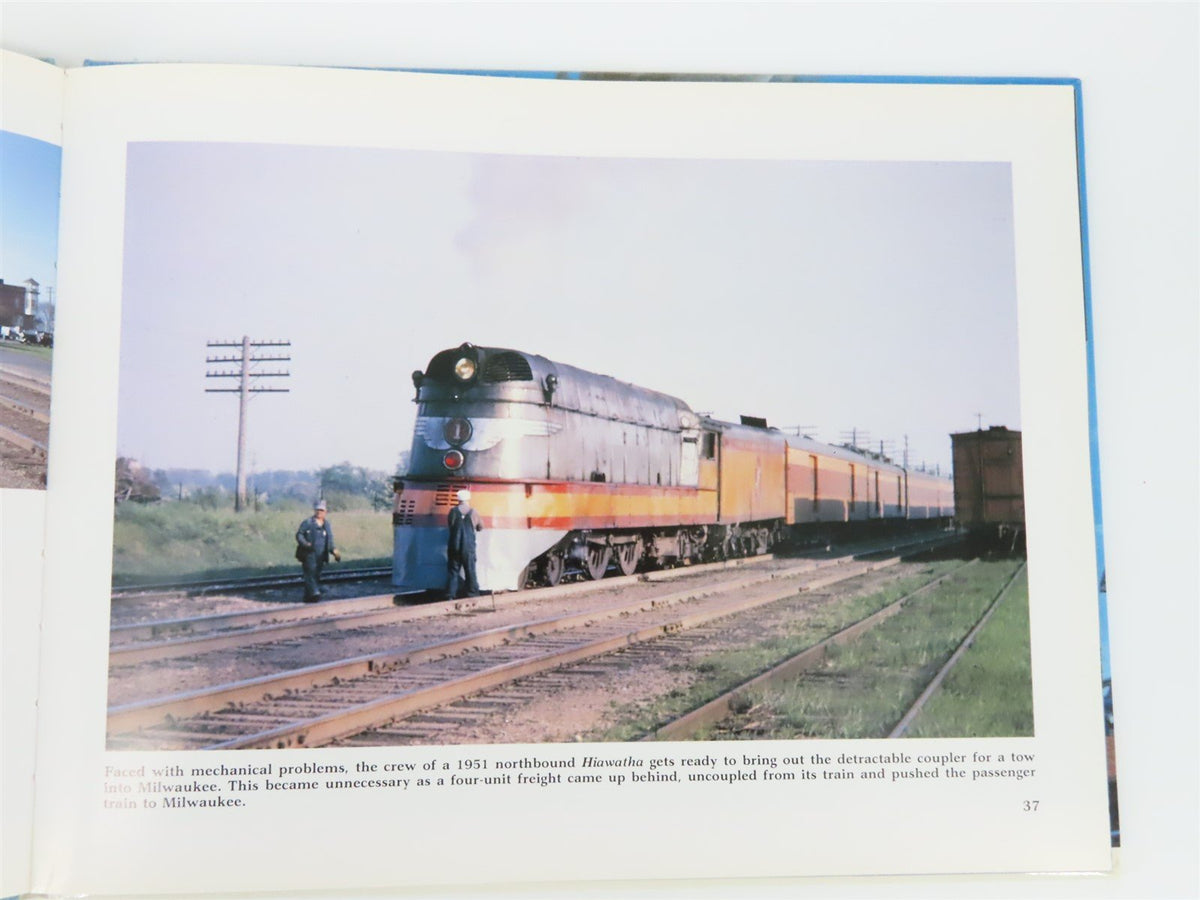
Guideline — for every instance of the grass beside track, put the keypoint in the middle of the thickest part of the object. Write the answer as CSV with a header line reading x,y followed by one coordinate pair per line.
x,y
989,693
723,671
178,541
864,688
35,350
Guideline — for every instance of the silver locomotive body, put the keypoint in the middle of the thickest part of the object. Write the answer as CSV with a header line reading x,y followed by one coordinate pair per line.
x,y
517,416
551,453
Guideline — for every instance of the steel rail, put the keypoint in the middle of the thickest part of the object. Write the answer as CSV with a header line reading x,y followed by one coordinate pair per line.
x,y
20,379
37,448
133,590
140,714
260,632
134,634
25,409
723,706
360,717
907,719
253,581
144,642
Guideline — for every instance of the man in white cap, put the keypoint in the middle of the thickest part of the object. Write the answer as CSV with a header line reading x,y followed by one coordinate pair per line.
x,y
314,546
464,521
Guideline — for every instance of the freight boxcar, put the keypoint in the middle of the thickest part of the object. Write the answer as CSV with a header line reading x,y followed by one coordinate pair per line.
x,y
989,486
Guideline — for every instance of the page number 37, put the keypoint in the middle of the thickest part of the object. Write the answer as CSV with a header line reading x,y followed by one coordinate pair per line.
x,y
1029,805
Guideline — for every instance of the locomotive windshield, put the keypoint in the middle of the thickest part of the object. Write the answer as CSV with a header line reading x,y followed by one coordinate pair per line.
x,y
464,363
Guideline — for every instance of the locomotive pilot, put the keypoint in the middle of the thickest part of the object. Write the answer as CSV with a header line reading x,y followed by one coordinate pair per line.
x,y
463,522
314,546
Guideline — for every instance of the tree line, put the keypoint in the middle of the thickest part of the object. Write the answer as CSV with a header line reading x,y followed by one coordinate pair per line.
x,y
343,486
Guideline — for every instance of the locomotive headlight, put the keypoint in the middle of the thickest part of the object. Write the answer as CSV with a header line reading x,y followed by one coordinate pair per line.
x,y
465,369
453,460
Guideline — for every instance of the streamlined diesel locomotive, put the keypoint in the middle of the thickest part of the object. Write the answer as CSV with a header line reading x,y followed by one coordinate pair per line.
x,y
575,471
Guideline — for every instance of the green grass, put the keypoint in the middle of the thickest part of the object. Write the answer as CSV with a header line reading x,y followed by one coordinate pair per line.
x,y
989,693
168,541
719,672
35,350
864,687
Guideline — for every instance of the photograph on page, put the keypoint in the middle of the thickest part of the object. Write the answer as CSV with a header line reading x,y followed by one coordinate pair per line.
x,y
30,168
28,253
579,449
478,379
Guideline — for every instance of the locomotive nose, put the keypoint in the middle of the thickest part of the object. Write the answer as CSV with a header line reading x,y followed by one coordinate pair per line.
x,y
457,431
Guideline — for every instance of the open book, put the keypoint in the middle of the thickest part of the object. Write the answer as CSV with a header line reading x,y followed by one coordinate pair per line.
x,y
877,647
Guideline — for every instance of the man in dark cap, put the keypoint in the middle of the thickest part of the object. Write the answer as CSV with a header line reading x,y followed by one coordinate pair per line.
x,y
314,546
460,548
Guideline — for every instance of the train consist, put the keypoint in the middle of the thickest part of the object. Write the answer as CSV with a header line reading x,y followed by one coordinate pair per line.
x,y
989,487
575,471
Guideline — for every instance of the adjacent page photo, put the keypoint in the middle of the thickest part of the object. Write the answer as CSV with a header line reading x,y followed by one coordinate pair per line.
x,y
31,99
571,460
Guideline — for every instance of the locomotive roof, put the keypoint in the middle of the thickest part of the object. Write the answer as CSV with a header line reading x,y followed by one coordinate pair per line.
x,y
522,376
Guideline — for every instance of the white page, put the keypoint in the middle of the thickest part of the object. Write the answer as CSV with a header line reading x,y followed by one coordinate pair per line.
x,y
1031,128
31,96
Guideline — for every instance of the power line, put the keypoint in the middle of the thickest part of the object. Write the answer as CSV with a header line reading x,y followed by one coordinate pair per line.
x,y
247,385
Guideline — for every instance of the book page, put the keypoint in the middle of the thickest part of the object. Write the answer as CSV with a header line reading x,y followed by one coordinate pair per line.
x,y
31,95
657,240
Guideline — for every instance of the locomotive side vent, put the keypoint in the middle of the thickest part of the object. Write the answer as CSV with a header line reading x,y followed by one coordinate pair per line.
x,y
445,495
507,367
404,512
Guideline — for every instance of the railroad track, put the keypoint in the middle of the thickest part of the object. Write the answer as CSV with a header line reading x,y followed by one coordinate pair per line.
x,y
320,704
486,717
249,583
738,699
173,638
936,682
24,428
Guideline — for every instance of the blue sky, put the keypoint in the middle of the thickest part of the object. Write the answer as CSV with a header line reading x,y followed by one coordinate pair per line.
x,y
876,295
30,172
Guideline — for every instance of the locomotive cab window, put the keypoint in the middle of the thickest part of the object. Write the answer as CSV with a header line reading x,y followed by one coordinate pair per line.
x,y
709,448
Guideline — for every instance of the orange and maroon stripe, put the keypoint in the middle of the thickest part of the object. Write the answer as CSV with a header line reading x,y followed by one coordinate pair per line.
x,y
568,505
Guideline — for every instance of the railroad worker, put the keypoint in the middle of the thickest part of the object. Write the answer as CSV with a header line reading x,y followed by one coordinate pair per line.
x,y
314,546
464,521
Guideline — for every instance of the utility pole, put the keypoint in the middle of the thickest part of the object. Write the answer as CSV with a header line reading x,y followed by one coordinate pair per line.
x,y
246,387
860,441
800,430
49,308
